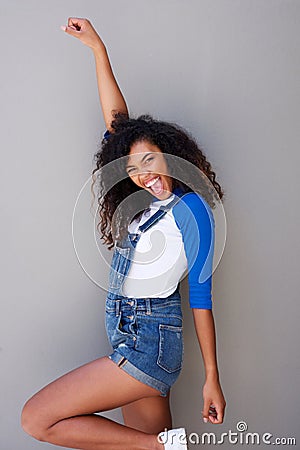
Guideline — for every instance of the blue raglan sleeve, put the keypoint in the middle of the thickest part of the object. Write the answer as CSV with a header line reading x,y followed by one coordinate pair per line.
x,y
195,220
106,134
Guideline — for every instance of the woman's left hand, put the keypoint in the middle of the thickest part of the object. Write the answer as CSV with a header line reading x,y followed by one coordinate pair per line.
x,y
214,402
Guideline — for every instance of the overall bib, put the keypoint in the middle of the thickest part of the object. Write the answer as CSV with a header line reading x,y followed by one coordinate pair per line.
x,y
146,333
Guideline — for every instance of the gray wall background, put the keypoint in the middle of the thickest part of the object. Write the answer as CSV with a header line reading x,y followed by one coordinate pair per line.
x,y
228,71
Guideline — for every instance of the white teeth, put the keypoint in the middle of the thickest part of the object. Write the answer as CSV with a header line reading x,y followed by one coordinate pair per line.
x,y
150,183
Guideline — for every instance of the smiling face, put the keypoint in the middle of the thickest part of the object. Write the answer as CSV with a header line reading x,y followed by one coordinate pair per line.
x,y
147,168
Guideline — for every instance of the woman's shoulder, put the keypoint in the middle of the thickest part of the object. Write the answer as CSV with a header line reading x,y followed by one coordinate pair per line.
x,y
193,203
195,200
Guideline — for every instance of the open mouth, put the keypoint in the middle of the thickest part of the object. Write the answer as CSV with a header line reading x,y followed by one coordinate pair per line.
x,y
156,185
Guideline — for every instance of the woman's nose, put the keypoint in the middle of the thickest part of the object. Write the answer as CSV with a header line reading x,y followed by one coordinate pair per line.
x,y
144,173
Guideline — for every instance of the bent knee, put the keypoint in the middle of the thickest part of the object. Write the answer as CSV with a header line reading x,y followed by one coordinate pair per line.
x,y
30,421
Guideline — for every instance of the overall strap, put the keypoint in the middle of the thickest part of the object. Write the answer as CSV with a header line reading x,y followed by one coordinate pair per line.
x,y
163,209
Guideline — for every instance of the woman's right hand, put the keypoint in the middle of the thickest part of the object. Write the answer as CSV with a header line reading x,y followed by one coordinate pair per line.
x,y
84,31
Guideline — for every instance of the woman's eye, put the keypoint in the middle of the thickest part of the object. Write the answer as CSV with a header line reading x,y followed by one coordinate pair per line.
x,y
132,170
149,160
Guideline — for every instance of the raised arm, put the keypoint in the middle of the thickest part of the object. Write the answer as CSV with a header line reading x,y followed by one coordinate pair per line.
x,y
110,95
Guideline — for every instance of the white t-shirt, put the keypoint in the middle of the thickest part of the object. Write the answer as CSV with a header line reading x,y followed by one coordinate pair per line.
x,y
159,261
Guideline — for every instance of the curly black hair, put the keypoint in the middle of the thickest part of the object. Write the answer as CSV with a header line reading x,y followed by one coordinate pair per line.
x,y
193,174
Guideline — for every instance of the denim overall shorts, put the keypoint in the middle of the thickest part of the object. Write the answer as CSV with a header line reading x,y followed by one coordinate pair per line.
x,y
146,334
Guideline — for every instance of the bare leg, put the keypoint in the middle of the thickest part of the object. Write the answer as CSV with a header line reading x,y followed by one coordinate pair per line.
x,y
151,414
62,412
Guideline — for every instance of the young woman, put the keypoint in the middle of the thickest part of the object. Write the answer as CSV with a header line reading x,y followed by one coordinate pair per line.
x,y
149,209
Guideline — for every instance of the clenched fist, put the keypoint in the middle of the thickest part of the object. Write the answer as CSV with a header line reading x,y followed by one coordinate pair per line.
x,y
84,31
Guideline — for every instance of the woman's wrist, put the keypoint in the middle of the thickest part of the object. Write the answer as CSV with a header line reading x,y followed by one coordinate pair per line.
x,y
212,374
99,48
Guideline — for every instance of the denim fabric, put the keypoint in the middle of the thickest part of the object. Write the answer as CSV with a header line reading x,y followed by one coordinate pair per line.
x,y
146,333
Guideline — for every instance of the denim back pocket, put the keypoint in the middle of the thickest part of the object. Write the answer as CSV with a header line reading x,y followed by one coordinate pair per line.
x,y
170,354
119,266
